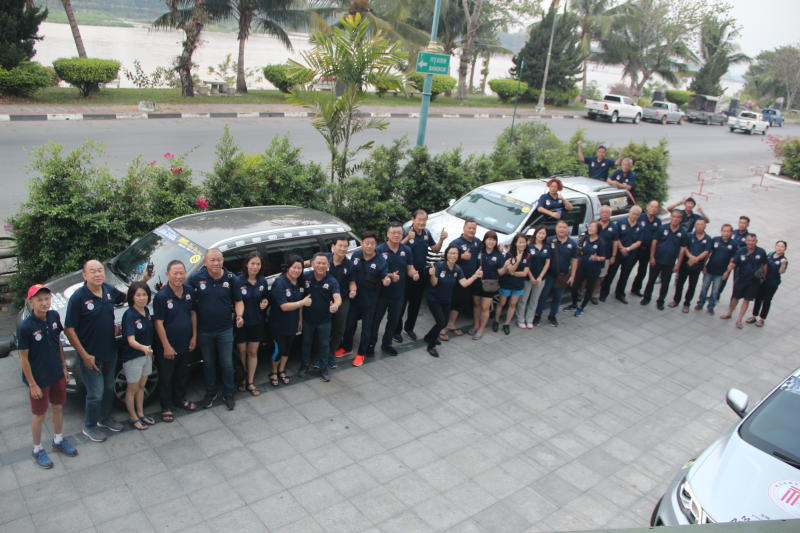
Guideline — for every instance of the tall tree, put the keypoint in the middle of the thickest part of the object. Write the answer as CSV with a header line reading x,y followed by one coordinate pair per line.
x,y
776,74
19,25
272,17
595,23
718,51
391,17
472,14
73,25
189,16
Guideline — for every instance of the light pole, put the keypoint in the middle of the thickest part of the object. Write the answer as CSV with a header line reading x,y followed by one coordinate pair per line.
x,y
540,103
426,88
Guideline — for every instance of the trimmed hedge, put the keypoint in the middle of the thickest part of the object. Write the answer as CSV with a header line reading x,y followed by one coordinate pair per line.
x,y
86,73
441,83
279,76
24,79
554,96
678,96
384,82
508,88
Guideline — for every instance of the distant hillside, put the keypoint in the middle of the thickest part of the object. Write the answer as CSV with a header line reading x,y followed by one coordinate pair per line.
x,y
138,10
513,41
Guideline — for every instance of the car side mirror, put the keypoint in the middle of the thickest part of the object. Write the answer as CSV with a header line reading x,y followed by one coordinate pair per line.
x,y
451,201
737,400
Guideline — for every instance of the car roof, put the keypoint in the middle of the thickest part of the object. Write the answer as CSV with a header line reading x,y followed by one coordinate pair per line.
x,y
529,190
216,228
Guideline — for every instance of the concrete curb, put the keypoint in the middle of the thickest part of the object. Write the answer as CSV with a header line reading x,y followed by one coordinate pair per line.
x,y
259,114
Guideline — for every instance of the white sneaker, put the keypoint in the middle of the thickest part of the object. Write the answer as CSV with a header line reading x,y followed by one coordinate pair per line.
x,y
528,325
521,325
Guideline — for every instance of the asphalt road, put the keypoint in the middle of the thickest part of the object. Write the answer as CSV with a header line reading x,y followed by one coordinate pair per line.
x,y
693,147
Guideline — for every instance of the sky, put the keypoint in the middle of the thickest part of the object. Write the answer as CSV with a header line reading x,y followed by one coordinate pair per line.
x,y
766,24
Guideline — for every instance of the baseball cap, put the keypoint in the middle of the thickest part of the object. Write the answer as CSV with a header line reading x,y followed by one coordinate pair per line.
x,y
33,290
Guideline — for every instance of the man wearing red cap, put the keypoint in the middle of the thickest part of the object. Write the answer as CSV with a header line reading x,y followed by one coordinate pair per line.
x,y
44,372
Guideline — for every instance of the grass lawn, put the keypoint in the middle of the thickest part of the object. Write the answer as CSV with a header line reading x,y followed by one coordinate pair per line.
x,y
70,96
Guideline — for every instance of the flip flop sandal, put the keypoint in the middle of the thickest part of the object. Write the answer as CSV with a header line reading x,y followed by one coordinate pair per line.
x,y
251,388
443,337
751,320
273,379
148,420
168,417
457,332
284,378
138,424
477,336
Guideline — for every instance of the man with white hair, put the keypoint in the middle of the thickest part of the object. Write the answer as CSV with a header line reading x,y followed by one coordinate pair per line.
x,y
625,252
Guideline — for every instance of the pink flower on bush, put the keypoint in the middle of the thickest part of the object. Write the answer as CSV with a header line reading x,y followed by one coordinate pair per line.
x,y
151,162
202,202
176,170
169,155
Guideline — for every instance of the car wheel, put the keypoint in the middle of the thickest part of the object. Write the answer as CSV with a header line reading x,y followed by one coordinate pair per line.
x,y
681,121
637,118
764,131
750,131
732,129
121,384
664,120
654,515
614,117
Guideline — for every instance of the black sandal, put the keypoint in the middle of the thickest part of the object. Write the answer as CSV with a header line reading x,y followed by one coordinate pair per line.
x,y
284,378
138,424
253,390
168,417
273,379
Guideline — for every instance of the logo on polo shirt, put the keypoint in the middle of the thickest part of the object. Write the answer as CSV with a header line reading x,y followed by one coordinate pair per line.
x,y
411,241
442,274
666,232
355,262
464,247
716,245
244,291
138,324
55,324
742,258
170,305
569,245
261,287
730,247
301,290
308,283
623,227
37,335
758,256
402,254
288,293
90,305
225,284
202,285
324,285
679,234
547,202
373,266
386,255
494,258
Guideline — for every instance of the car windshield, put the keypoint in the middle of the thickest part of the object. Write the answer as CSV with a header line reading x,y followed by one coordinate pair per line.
x,y
774,427
660,105
160,246
491,210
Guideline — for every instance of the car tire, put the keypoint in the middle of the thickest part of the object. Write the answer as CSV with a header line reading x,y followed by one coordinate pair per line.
x,y
732,129
637,118
681,121
664,120
654,514
751,130
120,384
614,117
764,131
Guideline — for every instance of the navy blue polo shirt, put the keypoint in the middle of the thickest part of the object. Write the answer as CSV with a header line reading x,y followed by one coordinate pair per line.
x,y
537,257
739,238
565,252
214,300
442,292
420,244
627,234
697,246
687,220
514,283
548,202
598,170
491,263
669,244
141,327
92,317
284,291
588,266
721,255
773,278
747,264
368,275
608,235
251,295
321,292
176,313
42,339
396,262
468,266
343,272
626,179
648,228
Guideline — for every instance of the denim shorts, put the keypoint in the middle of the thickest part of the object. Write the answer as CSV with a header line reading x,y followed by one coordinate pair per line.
x,y
510,292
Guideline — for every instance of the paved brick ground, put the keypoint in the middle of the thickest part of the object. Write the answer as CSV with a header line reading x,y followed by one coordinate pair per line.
x,y
567,428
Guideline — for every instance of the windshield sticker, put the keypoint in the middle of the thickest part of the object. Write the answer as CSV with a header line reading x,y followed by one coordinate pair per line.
x,y
514,201
185,243
618,203
194,259
526,209
792,384
166,232
786,495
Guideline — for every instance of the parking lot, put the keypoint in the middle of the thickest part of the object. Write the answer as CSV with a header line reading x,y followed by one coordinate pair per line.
x,y
556,429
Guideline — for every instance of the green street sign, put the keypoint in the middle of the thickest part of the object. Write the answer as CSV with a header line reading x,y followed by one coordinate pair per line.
x,y
432,63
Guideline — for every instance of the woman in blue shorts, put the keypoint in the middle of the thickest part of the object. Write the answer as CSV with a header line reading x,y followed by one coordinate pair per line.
x,y
512,282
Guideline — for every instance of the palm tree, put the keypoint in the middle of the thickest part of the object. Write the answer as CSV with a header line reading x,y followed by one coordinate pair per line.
x,y
595,23
718,51
269,16
73,25
387,16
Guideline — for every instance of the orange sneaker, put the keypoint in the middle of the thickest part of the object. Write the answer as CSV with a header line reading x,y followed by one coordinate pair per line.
x,y
358,360
341,352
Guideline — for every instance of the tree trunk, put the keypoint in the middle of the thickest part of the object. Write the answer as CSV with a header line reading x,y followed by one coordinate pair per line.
x,y
583,82
485,72
73,25
472,71
245,19
191,29
466,50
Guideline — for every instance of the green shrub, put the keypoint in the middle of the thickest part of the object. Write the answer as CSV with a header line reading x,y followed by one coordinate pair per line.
x,y
507,88
650,164
364,207
279,76
554,97
533,152
86,73
24,79
440,83
790,150
384,82
593,91
678,96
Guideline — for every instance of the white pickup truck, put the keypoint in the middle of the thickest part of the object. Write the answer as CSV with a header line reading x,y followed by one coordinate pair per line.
x,y
748,122
614,107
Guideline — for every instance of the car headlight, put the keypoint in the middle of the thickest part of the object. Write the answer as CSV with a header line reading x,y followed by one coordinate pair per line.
x,y
690,506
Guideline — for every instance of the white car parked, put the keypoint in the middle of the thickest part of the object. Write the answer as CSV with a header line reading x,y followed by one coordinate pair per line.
x,y
748,122
614,107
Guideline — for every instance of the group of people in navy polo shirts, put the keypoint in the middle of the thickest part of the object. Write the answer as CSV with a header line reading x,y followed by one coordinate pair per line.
x,y
315,305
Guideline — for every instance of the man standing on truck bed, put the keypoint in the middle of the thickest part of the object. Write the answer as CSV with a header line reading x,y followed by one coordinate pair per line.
x,y
597,165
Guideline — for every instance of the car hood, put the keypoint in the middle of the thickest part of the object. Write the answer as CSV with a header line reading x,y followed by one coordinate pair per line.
x,y
454,225
63,287
735,481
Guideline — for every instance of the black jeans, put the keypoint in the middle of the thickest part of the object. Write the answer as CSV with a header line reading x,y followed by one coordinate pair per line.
x,y
440,312
580,277
173,374
393,309
692,274
764,300
363,309
414,292
624,265
665,273
643,260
